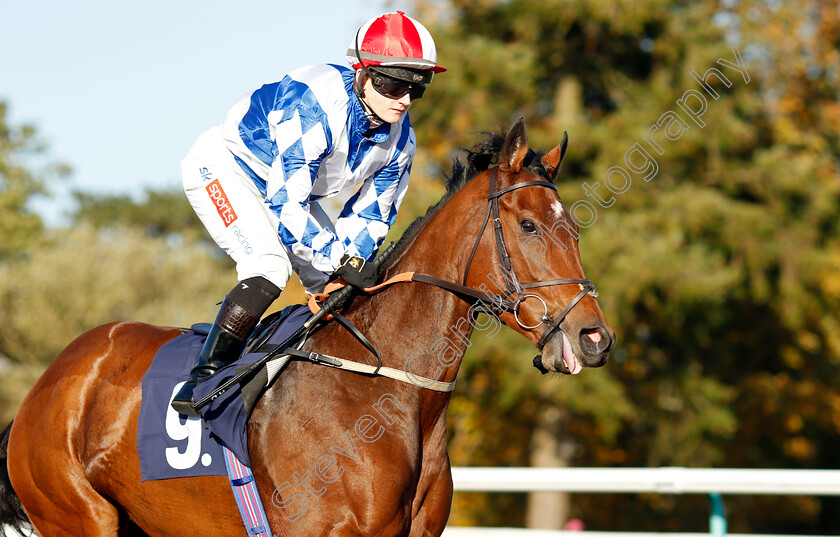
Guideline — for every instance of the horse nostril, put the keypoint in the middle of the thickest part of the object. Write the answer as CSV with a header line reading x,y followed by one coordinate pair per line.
x,y
594,339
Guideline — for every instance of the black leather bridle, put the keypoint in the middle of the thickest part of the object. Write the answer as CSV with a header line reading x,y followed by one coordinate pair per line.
x,y
513,287
512,283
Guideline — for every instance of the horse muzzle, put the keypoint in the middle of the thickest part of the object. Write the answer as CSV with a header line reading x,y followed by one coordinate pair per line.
x,y
563,355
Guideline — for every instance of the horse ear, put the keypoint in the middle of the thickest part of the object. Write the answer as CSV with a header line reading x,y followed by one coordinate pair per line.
x,y
554,158
515,148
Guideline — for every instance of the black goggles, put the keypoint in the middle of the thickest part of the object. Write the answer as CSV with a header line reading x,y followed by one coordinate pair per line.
x,y
394,88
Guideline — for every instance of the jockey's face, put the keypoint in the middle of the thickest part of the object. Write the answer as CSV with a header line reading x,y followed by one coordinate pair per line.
x,y
390,110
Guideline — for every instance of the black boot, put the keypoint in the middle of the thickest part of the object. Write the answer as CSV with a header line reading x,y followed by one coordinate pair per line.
x,y
223,345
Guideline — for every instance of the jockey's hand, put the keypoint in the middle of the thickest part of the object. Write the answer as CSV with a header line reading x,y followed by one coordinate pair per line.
x,y
356,271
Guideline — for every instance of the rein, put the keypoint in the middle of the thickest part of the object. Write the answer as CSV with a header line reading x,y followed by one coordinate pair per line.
x,y
496,302
513,285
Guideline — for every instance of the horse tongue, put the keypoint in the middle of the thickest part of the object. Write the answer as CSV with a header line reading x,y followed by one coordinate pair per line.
x,y
569,357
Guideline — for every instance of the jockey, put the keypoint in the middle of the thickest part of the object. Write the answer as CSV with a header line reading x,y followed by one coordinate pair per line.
x,y
256,179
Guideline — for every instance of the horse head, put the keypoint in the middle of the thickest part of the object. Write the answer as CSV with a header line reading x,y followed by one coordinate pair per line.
x,y
530,251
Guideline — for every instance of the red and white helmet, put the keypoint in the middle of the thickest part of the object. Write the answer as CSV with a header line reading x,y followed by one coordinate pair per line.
x,y
394,40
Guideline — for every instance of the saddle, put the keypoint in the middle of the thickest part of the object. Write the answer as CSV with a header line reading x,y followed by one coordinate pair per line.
x,y
265,338
226,415
170,446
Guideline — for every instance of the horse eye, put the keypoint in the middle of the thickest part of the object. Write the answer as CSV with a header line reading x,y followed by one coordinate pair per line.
x,y
527,226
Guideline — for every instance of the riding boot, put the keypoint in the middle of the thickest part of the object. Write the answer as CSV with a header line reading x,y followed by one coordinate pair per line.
x,y
223,345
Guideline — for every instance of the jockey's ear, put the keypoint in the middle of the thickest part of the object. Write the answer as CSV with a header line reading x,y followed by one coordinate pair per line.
x,y
359,83
514,148
554,158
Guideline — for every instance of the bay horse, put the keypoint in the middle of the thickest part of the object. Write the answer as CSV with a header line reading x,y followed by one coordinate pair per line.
x,y
333,452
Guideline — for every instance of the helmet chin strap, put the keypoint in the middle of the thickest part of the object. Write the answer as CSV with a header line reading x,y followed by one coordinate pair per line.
x,y
374,119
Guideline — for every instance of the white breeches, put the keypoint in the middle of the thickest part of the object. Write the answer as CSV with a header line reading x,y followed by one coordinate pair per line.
x,y
235,214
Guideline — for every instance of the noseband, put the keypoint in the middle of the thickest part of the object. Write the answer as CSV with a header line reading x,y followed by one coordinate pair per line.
x,y
512,283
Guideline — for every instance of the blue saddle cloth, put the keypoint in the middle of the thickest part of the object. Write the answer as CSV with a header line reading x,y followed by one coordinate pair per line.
x,y
171,445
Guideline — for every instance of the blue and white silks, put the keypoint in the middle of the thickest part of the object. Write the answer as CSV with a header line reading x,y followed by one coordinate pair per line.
x,y
302,139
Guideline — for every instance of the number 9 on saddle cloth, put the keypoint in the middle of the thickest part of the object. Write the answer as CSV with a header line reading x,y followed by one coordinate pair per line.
x,y
169,444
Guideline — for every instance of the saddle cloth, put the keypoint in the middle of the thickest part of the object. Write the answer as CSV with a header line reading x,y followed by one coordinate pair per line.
x,y
171,445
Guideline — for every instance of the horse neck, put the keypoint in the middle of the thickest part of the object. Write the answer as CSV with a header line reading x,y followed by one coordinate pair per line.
x,y
431,324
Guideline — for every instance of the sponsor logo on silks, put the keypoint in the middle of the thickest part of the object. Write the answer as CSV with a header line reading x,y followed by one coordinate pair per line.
x,y
246,246
205,174
220,199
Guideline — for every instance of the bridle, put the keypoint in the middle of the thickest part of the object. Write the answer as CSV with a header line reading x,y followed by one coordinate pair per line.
x,y
512,283
494,303
491,303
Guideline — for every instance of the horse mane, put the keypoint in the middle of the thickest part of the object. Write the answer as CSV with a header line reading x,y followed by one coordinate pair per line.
x,y
480,158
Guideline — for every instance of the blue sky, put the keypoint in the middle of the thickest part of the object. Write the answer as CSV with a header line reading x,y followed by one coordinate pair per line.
x,y
120,90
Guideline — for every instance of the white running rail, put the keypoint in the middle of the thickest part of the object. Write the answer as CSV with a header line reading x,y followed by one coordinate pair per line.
x,y
667,480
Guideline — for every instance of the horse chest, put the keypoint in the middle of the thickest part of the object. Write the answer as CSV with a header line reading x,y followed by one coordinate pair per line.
x,y
376,461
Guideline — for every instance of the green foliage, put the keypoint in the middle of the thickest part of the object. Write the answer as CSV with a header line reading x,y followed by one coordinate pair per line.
x,y
719,274
160,213
20,228
86,278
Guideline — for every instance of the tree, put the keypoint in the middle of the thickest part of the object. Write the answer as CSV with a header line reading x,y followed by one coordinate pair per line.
x,y
159,213
87,278
19,184
715,246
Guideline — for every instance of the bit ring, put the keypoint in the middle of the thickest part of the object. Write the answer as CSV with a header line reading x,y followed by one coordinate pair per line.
x,y
543,318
